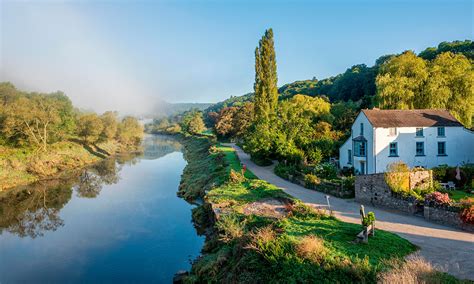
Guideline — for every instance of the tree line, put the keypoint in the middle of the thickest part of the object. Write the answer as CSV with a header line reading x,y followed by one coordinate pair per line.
x,y
39,120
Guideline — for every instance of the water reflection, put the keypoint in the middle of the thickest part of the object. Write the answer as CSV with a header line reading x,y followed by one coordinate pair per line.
x,y
29,211
118,221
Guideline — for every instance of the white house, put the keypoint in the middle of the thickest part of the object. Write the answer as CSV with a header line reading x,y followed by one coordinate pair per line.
x,y
419,138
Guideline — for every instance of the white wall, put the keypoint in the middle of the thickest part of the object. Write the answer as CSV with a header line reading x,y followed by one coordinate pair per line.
x,y
343,156
355,132
459,147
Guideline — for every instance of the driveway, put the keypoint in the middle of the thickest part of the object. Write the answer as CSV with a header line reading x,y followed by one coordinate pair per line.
x,y
447,248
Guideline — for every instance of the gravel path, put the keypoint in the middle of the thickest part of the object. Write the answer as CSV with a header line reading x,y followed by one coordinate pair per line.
x,y
447,248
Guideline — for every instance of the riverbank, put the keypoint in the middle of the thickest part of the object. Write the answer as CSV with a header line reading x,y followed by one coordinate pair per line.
x,y
257,233
22,166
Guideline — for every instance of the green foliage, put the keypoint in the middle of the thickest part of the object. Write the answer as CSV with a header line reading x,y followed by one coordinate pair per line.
x,y
265,86
192,122
369,219
465,48
284,171
409,82
326,171
34,118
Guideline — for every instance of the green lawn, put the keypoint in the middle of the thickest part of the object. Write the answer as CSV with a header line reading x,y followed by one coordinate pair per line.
x,y
277,260
459,194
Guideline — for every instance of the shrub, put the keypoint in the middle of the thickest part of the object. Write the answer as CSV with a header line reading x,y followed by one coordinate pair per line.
x,y
467,210
414,270
369,219
260,239
312,248
438,199
230,227
348,182
347,172
311,180
326,170
397,177
284,171
302,210
236,177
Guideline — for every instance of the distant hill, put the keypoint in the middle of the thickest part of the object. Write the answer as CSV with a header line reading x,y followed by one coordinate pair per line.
x,y
169,109
357,83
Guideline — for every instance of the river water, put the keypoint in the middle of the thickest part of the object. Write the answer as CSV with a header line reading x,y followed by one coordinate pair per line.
x,y
117,221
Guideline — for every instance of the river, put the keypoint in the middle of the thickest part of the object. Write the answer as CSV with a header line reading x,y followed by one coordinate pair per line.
x,y
117,221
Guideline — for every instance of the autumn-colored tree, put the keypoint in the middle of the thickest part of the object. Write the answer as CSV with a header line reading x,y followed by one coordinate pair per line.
x,y
110,123
90,127
130,132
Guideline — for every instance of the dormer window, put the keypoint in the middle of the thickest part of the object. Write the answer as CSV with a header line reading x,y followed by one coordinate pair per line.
x,y
361,129
392,131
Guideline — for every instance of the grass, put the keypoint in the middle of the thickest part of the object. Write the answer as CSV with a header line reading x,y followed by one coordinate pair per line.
x,y
20,166
459,194
252,248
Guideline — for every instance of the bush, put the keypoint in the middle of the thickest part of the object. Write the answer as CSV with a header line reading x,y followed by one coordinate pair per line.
x,y
397,177
230,227
348,182
284,171
311,181
347,172
467,210
312,248
236,177
438,199
326,170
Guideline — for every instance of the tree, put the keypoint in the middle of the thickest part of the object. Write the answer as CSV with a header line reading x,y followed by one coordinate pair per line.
x,y
451,86
265,86
225,122
196,124
90,127
400,80
35,118
130,132
110,123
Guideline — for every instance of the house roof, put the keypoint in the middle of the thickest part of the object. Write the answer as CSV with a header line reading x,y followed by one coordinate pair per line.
x,y
410,118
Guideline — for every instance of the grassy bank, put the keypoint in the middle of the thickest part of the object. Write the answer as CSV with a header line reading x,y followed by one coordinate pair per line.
x,y
257,233
20,166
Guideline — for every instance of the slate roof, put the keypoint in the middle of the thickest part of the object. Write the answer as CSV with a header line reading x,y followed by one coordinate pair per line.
x,y
410,118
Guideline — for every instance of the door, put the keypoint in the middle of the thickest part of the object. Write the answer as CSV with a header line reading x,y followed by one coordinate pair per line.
x,y
362,168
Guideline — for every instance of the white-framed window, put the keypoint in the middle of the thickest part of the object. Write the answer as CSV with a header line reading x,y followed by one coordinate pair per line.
x,y
441,132
419,132
392,131
393,149
420,148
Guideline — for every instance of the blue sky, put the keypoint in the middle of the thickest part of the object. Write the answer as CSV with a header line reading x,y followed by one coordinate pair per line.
x,y
129,55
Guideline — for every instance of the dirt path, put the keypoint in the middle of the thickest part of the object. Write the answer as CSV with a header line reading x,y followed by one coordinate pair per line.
x,y
447,248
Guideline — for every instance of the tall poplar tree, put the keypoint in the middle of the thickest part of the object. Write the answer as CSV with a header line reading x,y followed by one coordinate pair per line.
x,y
260,138
265,86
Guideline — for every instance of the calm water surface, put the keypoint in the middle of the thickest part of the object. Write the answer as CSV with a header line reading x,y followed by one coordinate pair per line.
x,y
117,221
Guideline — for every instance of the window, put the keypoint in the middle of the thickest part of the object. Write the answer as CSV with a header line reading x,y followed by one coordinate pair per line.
x,y
441,132
392,131
359,149
349,156
441,148
393,149
419,132
362,129
420,148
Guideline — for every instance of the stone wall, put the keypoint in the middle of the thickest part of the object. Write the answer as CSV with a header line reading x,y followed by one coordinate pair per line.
x,y
446,217
372,189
